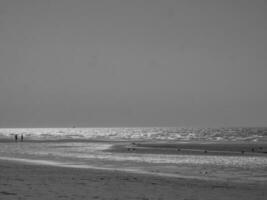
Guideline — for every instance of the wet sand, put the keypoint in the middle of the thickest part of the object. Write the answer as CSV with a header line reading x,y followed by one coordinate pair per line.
x,y
194,148
26,181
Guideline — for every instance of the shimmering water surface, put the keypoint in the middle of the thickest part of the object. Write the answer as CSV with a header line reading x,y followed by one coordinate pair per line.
x,y
170,134
90,154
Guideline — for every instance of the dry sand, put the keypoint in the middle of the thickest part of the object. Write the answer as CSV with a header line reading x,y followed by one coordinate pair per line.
x,y
26,181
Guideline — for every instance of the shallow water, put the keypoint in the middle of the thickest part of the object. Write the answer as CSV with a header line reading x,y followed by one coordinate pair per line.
x,y
91,155
85,154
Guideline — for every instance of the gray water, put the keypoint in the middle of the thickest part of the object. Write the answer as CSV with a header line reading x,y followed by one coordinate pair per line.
x,y
148,133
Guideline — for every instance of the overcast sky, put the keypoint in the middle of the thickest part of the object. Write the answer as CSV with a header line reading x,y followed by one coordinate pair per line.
x,y
133,63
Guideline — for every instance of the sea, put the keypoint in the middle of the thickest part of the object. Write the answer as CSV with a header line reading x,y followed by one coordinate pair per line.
x,y
89,148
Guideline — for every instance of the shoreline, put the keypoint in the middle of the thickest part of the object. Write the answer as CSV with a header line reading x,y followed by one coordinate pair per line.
x,y
166,147
157,159
26,175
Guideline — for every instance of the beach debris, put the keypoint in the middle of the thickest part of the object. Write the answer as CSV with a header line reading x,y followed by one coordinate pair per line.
x,y
204,172
131,149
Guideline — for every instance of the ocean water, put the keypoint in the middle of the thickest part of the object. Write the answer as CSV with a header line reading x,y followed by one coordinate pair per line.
x,y
76,147
153,133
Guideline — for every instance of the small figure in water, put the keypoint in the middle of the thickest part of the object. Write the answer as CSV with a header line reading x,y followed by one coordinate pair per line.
x,y
16,137
21,137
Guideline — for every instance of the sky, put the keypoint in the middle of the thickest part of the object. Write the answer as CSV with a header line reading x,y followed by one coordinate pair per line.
x,y
133,63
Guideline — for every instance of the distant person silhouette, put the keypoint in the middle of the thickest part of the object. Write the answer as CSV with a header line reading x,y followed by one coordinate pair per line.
x,y
21,138
16,137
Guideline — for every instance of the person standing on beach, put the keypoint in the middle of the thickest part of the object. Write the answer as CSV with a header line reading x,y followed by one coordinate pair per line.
x,y
21,137
16,137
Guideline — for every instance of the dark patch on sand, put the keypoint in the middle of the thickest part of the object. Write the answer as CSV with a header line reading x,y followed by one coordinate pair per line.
x,y
7,193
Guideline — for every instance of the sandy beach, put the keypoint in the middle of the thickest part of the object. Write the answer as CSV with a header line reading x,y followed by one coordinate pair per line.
x,y
70,168
27,181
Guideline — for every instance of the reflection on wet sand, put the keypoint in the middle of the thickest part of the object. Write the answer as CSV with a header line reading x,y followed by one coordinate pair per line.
x,y
153,158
